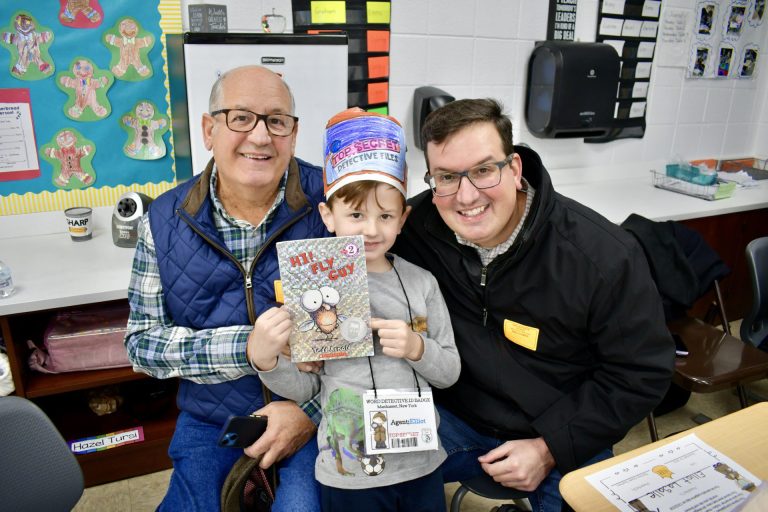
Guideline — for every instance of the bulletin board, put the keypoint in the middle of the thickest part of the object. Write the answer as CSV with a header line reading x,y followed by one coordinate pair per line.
x,y
631,27
727,39
92,78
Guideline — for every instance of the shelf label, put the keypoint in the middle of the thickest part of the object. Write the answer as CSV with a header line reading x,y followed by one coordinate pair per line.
x,y
107,441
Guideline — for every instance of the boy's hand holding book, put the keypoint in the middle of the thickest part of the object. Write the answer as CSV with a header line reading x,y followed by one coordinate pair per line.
x,y
398,339
268,338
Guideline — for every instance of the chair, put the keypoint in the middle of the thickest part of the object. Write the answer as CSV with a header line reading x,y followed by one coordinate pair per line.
x,y
754,327
38,471
716,360
483,485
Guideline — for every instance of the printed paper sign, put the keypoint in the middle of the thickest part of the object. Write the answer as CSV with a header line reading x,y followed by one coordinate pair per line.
x,y
685,475
107,441
18,151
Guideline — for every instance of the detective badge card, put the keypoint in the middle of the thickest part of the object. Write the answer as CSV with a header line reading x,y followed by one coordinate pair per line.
x,y
325,285
398,421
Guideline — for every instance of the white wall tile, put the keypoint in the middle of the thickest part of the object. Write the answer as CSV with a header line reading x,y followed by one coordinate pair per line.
x,y
497,18
738,139
693,103
657,142
626,150
401,108
479,48
410,17
666,76
451,17
408,60
712,140
742,106
718,105
495,62
449,60
533,20
686,144
760,142
663,105
524,51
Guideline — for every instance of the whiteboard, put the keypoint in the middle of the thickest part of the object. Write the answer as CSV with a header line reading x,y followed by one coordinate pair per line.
x,y
313,66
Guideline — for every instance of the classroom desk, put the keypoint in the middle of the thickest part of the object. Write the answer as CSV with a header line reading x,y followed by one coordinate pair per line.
x,y
51,273
728,225
741,436
615,191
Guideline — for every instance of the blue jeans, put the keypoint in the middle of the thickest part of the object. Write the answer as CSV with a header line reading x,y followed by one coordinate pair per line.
x,y
424,494
200,468
464,445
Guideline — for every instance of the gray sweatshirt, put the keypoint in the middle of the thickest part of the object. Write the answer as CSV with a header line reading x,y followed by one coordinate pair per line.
x,y
342,462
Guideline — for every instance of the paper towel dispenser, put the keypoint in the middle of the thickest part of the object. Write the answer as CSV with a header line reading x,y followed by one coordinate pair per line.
x,y
426,99
571,89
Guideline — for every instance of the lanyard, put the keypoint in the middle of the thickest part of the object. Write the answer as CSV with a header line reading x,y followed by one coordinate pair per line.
x,y
410,317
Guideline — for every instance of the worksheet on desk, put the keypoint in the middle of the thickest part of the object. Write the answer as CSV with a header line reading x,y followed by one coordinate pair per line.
x,y
687,475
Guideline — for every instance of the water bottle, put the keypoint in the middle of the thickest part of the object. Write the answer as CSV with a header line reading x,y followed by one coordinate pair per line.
x,y
6,282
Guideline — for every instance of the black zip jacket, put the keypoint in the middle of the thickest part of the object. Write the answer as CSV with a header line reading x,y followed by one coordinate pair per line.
x,y
603,357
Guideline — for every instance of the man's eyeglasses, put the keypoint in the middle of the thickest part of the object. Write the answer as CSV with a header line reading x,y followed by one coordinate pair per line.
x,y
485,175
239,120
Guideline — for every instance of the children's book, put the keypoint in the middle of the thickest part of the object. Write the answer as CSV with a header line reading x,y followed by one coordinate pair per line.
x,y
325,287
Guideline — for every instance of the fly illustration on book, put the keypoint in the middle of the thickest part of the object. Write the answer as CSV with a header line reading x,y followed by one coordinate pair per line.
x,y
325,287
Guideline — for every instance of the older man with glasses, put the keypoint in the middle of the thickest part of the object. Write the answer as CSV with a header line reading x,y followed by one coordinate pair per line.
x,y
203,281
556,317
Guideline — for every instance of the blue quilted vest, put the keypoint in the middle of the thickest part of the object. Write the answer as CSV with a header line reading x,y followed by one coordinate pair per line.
x,y
204,285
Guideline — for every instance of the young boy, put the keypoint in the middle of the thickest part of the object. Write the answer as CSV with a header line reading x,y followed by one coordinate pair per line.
x,y
365,175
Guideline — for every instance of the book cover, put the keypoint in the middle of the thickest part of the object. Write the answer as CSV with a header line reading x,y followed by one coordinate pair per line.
x,y
325,287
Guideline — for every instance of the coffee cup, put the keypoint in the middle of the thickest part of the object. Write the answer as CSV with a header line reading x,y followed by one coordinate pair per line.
x,y
79,223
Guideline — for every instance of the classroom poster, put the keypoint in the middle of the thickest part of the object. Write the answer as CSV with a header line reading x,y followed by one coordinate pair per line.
x,y
727,39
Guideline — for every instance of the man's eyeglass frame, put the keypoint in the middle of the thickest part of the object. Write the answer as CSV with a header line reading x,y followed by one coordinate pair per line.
x,y
259,117
428,178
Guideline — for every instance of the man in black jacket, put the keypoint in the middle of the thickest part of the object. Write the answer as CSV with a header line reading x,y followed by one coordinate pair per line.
x,y
557,320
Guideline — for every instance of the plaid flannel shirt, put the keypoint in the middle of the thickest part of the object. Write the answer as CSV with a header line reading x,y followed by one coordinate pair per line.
x,y
206,356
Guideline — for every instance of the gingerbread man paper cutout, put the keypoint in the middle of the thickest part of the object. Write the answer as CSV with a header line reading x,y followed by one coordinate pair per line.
x,y
86,85
28,43
81,13
130,46
145,129
70,154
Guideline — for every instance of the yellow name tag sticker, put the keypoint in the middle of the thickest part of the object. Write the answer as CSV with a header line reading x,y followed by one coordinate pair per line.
x,y
522,335
331,11
279,292
378,12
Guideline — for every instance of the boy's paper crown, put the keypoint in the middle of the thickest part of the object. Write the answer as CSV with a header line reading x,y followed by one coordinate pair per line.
x,y
362,145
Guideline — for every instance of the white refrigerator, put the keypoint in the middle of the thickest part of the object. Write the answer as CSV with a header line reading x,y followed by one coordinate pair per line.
x,y
314,66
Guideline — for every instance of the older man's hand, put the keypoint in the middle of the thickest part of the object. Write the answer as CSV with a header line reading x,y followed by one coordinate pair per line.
x,y
288,429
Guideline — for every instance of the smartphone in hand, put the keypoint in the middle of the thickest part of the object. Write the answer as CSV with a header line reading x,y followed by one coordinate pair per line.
x,y
242,431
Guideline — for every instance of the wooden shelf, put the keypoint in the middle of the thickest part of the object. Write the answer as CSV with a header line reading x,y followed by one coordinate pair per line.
x,y
43,384
146,402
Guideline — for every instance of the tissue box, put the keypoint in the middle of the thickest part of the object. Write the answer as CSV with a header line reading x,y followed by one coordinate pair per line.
x,y
83,340
691,174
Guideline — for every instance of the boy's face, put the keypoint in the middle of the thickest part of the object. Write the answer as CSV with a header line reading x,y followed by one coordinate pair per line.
x,y
379,219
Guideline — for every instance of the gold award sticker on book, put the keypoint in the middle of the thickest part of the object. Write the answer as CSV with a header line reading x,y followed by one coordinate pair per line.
x,y
325,287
